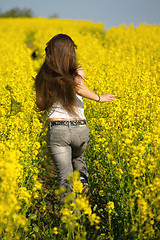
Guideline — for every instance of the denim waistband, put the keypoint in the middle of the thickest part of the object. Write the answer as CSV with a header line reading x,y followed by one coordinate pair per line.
x,y
68,123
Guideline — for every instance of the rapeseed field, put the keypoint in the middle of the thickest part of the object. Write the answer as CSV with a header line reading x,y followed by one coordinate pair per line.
x,y
123,156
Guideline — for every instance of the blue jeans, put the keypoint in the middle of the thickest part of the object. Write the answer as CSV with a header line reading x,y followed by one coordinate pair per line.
x,y
67,145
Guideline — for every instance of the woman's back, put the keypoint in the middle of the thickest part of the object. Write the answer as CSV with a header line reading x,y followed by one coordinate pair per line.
x,y
57,110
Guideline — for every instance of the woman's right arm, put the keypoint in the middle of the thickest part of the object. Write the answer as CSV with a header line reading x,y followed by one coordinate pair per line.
x,y
87,93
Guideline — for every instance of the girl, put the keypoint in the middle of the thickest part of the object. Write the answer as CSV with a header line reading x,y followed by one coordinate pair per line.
x,y
59,90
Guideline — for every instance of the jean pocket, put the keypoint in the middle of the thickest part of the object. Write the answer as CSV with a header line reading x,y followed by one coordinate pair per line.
x,y
84,135
59,134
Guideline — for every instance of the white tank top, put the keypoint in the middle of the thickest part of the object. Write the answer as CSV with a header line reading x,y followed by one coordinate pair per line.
x,y
58,111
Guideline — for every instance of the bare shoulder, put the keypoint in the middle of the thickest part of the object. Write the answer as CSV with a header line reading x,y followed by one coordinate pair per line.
x,y
80,71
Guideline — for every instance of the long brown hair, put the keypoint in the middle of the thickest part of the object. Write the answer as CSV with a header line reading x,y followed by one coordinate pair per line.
x,y
55,79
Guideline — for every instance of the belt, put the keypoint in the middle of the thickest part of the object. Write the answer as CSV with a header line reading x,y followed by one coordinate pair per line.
x,y
67,123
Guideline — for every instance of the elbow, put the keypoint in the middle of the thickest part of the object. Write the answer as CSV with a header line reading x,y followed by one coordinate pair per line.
x,y
78,90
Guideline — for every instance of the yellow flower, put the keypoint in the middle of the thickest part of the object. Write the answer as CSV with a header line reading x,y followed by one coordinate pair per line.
x,y
110,206
101,193
77,186
94,219
55,230
60,191
143,206
69,198
158,218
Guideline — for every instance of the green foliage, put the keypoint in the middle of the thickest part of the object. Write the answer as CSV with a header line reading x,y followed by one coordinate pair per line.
x,y
17,12
55,15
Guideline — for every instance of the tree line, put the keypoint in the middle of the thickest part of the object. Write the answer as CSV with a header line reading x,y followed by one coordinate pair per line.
x,y
17,12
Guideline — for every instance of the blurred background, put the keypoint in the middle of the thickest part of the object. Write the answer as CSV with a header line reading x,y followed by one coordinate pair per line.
x,y
109,12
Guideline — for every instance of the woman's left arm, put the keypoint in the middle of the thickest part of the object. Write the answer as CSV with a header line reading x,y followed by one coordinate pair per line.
x,y
87,93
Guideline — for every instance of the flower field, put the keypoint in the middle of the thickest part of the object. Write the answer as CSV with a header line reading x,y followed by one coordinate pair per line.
x,y
123,156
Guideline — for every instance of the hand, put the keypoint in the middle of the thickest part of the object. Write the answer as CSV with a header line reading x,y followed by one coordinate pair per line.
x,y
107,98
